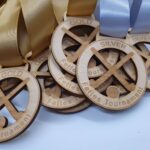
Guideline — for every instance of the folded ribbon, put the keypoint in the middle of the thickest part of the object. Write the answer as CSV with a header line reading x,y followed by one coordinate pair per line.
x,y
140,16
73,8
117,17
25,25
114,17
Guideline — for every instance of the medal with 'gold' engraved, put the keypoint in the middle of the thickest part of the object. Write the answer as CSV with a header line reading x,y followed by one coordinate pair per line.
x,y
18,119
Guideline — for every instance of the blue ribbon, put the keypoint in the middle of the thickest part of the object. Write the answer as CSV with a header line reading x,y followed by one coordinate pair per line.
x,y
117,16
114,17
140,16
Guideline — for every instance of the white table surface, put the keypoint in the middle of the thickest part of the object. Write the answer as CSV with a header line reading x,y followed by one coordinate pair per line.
x,y
92,129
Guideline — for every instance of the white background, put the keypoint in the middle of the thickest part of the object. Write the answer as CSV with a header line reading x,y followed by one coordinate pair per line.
x,y
92,129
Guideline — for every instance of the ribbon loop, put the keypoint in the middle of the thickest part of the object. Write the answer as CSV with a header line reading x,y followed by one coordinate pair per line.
x,y
114,17
9,51
40,22
25,25
81,7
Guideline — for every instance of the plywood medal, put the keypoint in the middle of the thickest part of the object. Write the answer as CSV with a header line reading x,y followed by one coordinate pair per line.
x,y
115,101
53,96
22,119
139,41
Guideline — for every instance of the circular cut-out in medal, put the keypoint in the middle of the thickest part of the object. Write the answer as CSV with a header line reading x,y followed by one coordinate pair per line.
x,y
10,83
139,41
135,89
71,33
2,2
22,119
76,109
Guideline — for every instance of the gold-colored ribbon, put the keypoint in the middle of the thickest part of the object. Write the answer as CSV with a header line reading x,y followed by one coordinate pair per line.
x,y
73,8
60,7
81,7
9,51
40,22
25,25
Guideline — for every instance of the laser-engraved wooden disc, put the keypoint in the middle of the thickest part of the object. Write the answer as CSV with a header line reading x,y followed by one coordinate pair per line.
x,y
139,40
68,63
136,89
22,119
73,28
53,96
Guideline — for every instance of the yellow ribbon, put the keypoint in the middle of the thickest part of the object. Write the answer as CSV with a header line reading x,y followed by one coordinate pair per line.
x,y
40,22
25,25
73,8
81,7
9,51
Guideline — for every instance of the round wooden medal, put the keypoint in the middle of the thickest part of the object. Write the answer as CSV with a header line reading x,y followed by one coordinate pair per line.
x,y
73,30
112,101
76,31
139,41
22,119
54,96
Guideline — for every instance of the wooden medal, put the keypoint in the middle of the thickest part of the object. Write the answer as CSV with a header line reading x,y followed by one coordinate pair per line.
x,y
22,119
112,101
73,28
53,96
73,32
139,41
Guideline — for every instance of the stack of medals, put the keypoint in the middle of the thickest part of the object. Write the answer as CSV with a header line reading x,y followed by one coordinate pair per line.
x,y
80,68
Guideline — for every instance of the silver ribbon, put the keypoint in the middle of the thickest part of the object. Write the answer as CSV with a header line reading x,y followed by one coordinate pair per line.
x,y
140,16
114,17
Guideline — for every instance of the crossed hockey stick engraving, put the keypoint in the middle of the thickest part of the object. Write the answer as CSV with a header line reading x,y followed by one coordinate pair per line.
x,y
112,70
84,43
6,100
